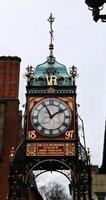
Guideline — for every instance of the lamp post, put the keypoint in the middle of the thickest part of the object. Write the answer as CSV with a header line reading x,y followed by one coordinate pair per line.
x,y
96,6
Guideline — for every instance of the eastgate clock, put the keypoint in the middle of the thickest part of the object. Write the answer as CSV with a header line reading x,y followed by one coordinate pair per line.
x,y
51,117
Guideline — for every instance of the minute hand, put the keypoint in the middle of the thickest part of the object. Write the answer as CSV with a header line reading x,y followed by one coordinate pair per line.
x,y
48,111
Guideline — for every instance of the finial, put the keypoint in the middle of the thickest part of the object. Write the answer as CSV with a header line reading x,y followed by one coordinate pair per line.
x,y
29,73
51,46
73,73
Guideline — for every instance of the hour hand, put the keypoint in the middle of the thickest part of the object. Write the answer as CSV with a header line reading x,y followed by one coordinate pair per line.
x,y
59,111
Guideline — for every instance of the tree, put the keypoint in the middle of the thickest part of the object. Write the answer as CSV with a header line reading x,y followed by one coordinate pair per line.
x,y
54,191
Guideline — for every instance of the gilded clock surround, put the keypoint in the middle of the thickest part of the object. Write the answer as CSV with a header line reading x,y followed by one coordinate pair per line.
x,y
68,100
50,117
67,134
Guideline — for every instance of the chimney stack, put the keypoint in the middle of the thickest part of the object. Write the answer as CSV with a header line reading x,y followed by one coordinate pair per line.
x,y
9,76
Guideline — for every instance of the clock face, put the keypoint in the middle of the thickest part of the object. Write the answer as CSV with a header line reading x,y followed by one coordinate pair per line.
x,y
51,117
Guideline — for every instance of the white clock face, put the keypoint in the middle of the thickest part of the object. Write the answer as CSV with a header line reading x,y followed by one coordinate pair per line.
x,y
51,117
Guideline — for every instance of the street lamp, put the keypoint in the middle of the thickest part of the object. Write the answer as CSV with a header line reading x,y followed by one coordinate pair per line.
x,y
96,6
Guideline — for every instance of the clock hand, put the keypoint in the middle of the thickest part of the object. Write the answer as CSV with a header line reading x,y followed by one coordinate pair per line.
x,y
59,111
48,110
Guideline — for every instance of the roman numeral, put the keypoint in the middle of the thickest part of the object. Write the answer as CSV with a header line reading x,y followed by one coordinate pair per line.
x,y
34,117
67,116
42,130
64,124
51,102
36,124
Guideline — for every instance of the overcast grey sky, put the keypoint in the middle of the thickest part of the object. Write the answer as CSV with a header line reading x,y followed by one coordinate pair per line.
x,y
78,40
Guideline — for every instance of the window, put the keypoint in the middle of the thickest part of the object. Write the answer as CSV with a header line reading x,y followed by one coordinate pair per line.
x,y
101,195
101,198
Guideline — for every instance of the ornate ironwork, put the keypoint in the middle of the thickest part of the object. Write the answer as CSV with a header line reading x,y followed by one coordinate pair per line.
x,y
29,73
73,73
51,20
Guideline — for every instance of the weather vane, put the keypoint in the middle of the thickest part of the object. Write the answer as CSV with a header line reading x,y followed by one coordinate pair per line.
x,y
51,20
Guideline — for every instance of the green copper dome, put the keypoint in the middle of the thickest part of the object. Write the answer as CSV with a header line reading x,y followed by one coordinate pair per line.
x,y
48,70
55,68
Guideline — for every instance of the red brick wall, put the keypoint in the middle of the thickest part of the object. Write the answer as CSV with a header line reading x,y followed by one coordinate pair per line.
x,y
9,87
9,76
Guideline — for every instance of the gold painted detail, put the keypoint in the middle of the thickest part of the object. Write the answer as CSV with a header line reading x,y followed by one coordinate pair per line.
x,y
50,149
73,72
70,101
12,154
51,90
69,134
51,80
70,149
32,101
31,149
29,72
32,135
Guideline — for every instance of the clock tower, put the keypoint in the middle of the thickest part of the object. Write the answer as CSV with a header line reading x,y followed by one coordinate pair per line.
x,y
51,139
51,105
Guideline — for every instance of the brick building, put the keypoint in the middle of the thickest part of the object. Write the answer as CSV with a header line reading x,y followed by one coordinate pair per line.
x,y
10,121
10,115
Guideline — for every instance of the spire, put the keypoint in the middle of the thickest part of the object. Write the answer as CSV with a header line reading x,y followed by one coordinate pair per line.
x,y
51,72
51,58
103,167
